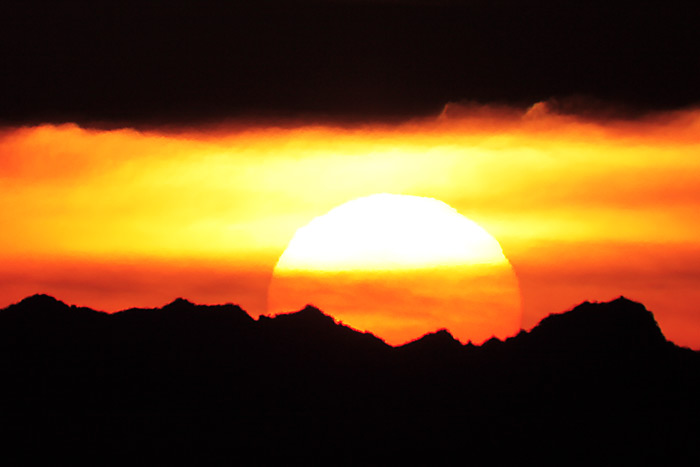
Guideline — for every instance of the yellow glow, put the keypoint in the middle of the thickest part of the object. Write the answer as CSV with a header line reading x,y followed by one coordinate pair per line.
x,y
400,266
597,207
388,232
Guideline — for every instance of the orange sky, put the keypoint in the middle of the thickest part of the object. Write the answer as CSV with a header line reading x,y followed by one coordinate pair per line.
x,y
583,209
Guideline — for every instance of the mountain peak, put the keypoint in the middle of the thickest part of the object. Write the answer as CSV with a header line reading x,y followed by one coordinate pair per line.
x,y
42,309
311,311
440,342
309,315
179,304
619,323
41,300
40,304
440,337
623,302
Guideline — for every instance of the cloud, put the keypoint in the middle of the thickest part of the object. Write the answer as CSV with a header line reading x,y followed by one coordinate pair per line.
x,y
160,63
532,177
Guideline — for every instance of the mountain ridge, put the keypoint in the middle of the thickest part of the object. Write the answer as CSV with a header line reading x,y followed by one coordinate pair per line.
x,y
200,384
621,309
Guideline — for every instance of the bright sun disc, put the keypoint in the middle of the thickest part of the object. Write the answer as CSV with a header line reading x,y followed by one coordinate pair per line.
x,y
400,266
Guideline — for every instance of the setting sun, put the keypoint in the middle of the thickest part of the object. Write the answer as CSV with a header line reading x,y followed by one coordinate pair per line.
x,y
362,232
582,209
400,266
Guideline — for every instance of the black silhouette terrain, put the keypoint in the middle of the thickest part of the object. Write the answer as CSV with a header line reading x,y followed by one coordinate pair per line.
x,y
191,384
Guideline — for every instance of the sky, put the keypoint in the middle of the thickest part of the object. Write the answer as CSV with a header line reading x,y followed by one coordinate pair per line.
x,y
137,63
151,151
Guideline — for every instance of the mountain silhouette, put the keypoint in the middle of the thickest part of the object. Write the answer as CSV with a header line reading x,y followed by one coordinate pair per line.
x,y
602,327
202,384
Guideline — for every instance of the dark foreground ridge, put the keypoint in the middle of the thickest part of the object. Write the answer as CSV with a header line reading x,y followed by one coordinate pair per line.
x,y
191,384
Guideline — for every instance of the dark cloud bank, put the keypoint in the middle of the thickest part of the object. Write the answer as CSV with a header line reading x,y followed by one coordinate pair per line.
x,y
170,62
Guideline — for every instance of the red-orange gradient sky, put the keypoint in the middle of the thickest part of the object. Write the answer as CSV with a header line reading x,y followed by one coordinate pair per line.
x,y
583,209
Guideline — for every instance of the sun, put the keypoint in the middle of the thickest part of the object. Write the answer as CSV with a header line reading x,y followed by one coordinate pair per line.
x,y
400,266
